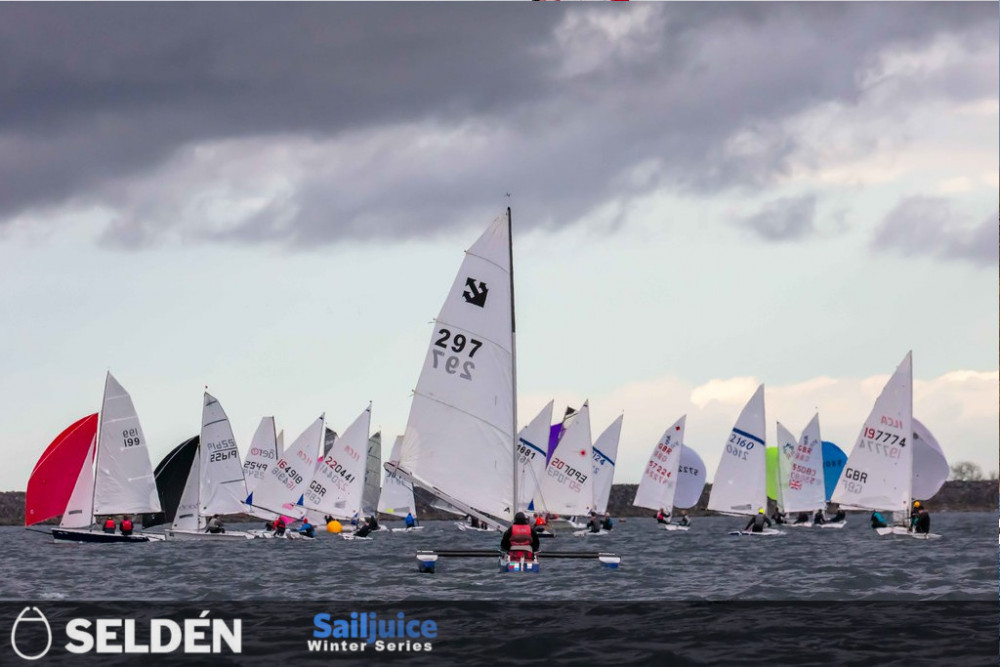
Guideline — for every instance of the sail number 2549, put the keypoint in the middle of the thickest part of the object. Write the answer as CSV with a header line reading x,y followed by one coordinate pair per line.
x,y
459,344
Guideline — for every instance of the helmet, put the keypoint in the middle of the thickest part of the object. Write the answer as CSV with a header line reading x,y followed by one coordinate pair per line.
x,y
916,503
760,511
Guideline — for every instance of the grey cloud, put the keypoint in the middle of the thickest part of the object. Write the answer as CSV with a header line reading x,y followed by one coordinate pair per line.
x,y
930,226
786,219
98,96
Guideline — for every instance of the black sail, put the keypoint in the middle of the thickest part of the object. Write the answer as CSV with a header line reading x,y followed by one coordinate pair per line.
x,y
171,475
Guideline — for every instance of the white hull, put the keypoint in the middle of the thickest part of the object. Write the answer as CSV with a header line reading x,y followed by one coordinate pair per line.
x,y
900,530
809,524
586,533
194,535
354,538
767,532
673,526
465,526
407,530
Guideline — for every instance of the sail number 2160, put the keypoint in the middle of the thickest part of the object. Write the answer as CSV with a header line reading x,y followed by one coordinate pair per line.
x,y
452,363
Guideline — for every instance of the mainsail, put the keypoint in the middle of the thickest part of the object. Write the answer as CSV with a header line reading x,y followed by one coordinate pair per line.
x,y
123,482
263,453
740,480
658,485
397,493
459,438
568,485
339,480
605,451
878,474
930,467
369,499
531,455
800,469
222,488
283,487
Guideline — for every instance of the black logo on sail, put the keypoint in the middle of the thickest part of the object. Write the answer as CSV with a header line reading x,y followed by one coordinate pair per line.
x,y
476,294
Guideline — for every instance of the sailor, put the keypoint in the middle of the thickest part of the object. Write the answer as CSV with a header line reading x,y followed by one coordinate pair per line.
x,y
923,521
914,514
663,516
802,517
307,529
109,525
818,518
607,524
520,538
839,516
778,517
594,523
756,523
685,521
364,529
354,519
878,521
215,525
279,527
127,525
373,522
409,521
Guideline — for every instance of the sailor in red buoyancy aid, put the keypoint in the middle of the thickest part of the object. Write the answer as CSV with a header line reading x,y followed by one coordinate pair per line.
x,y
109,525
520,541
126,526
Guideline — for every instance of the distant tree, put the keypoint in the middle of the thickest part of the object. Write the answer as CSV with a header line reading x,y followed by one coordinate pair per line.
x,y
994,476
966,471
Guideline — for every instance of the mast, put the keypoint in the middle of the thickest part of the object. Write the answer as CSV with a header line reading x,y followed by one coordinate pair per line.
x,y
97,454
513,362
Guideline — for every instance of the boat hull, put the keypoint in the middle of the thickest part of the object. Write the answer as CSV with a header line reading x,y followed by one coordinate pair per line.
x,y
518,565
100,537
767,532
902,531
407,530
671,526
197,536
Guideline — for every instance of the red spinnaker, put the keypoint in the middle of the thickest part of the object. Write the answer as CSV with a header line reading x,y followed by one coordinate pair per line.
x,y
51,483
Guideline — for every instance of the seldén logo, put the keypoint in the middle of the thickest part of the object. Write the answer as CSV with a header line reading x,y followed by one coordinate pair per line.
x,y
29,644
127,635
389,635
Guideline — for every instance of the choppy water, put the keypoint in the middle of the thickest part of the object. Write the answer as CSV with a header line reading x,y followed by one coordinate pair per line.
x,y
701,564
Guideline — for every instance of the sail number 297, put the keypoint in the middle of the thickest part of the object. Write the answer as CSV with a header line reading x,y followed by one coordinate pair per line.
x,y
461,345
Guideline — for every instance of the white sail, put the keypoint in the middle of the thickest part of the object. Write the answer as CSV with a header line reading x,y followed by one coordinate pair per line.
x,y
691,479
339,481
373,467
930,467
285,483
262,454
800,469
568,485
222,487
740,485
187,517
878,472
80,508
397,493
659,481
459,438
124,481
605,452
532,449
280,439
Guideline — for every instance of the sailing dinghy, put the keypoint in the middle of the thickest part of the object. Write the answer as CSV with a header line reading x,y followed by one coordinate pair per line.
x,y
740,486
99,466
660,479
396,496
879,471
460,441
215,482
800,485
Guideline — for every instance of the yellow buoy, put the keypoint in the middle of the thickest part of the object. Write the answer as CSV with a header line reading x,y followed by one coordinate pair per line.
x,y
333,527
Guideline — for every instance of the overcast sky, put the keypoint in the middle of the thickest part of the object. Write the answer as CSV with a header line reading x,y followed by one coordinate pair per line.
x,y
272,199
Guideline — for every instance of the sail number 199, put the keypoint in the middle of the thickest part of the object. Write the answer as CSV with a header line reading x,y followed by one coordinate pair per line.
x,y
458,343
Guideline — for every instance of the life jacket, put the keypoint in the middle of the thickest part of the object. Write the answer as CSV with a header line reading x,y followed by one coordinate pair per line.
x,y
126,524
520,535
109,524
